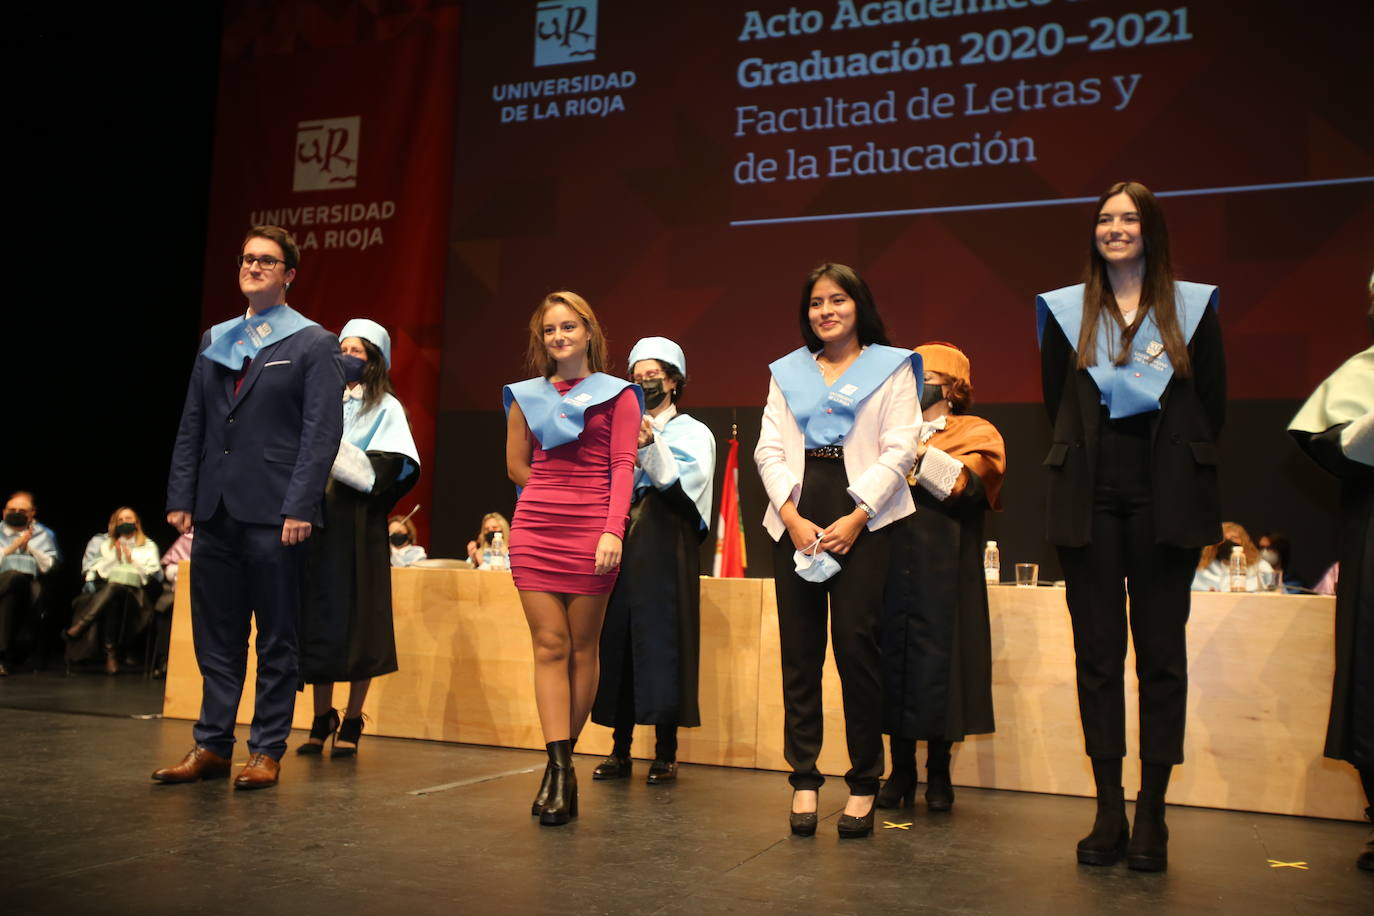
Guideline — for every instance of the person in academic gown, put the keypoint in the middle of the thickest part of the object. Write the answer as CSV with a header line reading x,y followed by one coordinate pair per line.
x,y
570,449
1336,428
651,638
346,629
937,649
837,442
1134,381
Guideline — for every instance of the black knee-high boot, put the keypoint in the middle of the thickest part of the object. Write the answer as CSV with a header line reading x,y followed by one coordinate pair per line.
x,y
900,787
1111,831
562,802
939,787
1149,847
1366,859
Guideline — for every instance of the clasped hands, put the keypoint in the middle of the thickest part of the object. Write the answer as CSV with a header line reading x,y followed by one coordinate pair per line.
x,y
837,538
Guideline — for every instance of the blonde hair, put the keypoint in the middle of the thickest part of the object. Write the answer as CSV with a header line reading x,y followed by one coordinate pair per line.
x,y
1247,546
139,537
405,522
537,355
505,526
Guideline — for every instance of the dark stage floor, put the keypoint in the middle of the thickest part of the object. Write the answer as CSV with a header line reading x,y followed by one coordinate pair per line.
x,y
420,827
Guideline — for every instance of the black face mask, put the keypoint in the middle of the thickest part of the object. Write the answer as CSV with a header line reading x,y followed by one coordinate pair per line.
x,y
1225,547
931,395
653,392
17,519
124,529
399,538
353,367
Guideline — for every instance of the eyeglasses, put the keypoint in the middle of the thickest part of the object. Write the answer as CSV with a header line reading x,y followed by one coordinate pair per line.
x,y
266,261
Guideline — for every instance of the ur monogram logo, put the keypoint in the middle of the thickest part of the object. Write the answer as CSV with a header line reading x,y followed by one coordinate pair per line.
x,y
327,154
564,32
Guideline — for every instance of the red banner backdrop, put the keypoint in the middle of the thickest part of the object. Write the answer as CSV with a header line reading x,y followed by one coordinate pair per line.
x,y
336,122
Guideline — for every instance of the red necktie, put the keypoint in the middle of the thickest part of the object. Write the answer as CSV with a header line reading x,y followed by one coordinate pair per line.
x,y
243,373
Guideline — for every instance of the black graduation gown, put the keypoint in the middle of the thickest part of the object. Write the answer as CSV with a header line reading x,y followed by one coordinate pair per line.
x,y
935,639
345,627
1350,730
655,613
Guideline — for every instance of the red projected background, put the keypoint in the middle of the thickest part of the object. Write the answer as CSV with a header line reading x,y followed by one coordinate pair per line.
x,y
684,165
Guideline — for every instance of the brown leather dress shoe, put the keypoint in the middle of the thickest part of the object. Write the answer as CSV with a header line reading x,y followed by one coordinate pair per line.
x,y
199,763
260,773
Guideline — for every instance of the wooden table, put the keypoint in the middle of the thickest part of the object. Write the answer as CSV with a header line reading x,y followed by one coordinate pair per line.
x,y
1260,668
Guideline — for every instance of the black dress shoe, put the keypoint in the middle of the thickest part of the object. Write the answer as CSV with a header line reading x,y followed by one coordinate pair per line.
x,y
898,789
661,771
851,828
612,767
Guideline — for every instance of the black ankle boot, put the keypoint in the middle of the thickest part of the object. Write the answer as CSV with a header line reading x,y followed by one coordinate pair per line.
x,y
1149,846
542,798
898,789
562,802
1111,831
939,789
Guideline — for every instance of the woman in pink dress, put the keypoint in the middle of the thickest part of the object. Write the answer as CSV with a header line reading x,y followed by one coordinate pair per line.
x,y
571,437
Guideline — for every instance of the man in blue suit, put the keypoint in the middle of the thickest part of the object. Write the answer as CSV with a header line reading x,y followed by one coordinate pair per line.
x,y
258,435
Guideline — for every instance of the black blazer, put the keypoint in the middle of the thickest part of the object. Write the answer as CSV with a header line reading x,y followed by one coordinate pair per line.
x,y
267,451
1183,434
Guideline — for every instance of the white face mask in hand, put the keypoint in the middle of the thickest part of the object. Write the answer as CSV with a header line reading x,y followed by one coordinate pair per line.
x,y
814,564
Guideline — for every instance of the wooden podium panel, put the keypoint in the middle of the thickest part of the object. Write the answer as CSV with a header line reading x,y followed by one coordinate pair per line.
x,y
1260,688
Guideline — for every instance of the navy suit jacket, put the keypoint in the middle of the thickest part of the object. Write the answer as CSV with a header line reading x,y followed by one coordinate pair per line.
x,y
267,451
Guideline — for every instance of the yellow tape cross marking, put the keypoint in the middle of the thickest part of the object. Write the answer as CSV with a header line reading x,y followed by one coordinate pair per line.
x,y
889,825
1275,863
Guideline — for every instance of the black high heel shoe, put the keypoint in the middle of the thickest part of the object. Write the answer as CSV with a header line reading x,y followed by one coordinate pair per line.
x,y
851,828
803,823
350,730
561,806
898,790
321,727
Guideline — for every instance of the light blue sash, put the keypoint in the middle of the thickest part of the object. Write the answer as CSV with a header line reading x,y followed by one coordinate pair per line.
x,y
381,429
558,419
826,414
233,341
694,450
1136,387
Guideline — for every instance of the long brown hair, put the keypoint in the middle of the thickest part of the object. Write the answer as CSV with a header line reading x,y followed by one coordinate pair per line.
x,y
1156,288
537,355
139,537
376,379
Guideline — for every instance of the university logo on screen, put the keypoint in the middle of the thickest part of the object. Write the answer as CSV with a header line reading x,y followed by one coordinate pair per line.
x,y
326,155
564,32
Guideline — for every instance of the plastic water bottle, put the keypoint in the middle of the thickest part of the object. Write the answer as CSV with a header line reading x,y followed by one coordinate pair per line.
x,y
1238,571
499,559
992,564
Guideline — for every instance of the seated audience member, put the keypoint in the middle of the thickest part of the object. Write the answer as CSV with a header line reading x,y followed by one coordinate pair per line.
x,y
89,557
492,522
162,609
1214,566
127,579
28,554
1276,550
403,535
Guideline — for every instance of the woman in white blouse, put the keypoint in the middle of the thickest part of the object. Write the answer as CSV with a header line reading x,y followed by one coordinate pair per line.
x,y
127,566
838,438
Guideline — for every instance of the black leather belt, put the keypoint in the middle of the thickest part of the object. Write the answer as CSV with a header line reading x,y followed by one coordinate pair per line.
x,y
826,451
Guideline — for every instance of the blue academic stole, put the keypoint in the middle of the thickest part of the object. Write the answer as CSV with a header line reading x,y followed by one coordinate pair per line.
x,y
1136,387
233,341
826,413
559,419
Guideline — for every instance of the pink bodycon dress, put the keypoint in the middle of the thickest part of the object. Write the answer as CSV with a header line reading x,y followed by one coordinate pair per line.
x,y
574,494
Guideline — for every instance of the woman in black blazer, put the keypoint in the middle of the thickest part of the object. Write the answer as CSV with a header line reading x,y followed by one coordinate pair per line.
x,y
1134,381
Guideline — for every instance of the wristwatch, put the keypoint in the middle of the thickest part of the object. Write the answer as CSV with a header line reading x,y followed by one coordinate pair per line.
x,y
867,509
